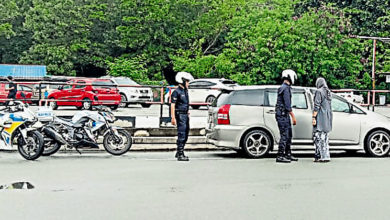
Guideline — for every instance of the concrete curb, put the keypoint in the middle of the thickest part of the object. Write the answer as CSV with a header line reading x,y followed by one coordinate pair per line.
x,y
195,143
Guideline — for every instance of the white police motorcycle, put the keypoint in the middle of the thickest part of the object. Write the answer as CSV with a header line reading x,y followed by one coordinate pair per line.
x,y
16,123
83,130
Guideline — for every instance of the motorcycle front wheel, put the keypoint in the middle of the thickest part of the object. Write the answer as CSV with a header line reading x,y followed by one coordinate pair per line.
x,y
33,149
117,145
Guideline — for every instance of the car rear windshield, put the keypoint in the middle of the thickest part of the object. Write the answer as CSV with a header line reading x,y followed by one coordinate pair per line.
x,y
222,99
103,84
253,97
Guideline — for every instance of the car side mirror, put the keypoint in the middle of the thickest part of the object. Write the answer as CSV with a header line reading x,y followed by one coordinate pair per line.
x,y
60,87
96,98
23,95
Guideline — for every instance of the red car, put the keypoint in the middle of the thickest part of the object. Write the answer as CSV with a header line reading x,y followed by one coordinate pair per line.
x,y
95,92
21,89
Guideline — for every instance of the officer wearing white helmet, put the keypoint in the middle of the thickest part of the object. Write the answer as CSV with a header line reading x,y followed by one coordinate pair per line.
x,y
179,112
283,112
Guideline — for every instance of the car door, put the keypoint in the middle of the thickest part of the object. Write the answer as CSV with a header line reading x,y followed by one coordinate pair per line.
x,y
28,92
3,92
194,89
65,95
302,132
346,127
78,90
211,91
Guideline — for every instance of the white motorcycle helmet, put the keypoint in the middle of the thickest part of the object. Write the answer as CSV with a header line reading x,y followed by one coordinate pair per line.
x,y
289,75
183,76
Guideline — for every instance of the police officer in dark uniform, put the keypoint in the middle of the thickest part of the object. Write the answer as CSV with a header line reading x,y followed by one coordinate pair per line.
x,y
12,89
180,114
283,113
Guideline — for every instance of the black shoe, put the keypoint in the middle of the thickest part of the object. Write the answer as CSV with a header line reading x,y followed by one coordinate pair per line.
x,y
292,158
177,154
282,160
182,157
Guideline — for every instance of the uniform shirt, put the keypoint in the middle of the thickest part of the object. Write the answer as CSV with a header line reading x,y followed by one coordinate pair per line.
x,y
13,91
284,99
180,98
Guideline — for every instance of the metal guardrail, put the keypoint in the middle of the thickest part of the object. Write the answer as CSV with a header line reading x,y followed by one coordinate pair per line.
x,y
159,90
371,96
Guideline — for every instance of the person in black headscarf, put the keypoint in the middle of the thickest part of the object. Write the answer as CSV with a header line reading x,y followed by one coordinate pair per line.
x,y
322,121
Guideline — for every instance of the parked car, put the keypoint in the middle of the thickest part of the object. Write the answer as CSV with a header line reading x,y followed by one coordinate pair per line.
x,y
84,96
352,97
4,93
204,91
244,120
132,95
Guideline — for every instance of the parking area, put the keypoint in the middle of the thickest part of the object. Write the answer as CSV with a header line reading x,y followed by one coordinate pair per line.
x,y
213,185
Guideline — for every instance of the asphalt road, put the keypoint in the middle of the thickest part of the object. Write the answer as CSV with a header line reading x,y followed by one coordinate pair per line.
x,y
213,185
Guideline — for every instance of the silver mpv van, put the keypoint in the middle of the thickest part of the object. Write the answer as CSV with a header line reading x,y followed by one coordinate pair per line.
x,y
244,120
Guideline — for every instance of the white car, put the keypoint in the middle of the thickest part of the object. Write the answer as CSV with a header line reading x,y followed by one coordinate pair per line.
x,y
351,97
244,120
132,93
204,91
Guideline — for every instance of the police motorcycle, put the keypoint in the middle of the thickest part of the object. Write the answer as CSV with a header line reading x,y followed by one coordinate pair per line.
x,y
83,131
16,123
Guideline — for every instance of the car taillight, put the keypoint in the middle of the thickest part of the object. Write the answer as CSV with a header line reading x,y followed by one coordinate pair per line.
x,y
223,115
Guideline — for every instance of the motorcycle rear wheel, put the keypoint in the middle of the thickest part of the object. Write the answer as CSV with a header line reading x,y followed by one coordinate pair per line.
x,y
50,147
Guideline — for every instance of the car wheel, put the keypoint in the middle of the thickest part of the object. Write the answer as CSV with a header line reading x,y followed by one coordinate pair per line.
x,y
87,104
123,101
144,105
195,106
256,144
53,104
378,144
210,99
114,107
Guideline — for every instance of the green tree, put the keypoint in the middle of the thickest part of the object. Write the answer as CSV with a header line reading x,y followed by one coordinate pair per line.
x,y
12,46
266,38
157,29
8,11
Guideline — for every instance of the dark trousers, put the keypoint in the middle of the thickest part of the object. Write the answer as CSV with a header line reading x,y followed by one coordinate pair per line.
x,y
285,130
10,96
183,129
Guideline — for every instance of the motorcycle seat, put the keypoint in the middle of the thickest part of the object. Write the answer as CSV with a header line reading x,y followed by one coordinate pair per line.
x,y
77,125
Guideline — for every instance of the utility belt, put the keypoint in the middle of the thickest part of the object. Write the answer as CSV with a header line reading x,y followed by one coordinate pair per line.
x,y
281,111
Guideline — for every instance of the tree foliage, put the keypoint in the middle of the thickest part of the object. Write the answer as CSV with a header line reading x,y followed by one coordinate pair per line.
x,y
250,41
